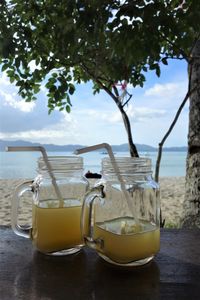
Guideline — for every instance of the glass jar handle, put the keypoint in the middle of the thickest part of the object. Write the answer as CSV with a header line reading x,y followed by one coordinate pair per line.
x,y
19,191
87,218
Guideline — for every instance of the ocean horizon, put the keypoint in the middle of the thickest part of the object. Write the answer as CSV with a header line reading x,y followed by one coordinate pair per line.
x,y
14,165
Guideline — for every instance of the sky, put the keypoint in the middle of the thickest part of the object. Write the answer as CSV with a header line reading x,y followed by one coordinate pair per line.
x,y
95,118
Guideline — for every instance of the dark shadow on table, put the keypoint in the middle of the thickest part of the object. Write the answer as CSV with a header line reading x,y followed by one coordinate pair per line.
x,y
25,274
85,276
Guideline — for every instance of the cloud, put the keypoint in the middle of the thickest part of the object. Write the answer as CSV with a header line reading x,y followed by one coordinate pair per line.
x,y
63,132
44,135
10,100
145,113
4,81
166,90
18,115
93,119
9,97
136,114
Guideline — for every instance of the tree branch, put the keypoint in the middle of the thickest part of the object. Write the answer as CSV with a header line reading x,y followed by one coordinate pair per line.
x,y
116,91
130,96
132,147
189,93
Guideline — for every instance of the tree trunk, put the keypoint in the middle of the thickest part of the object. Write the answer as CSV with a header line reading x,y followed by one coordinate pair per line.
x,y
192,188
132,148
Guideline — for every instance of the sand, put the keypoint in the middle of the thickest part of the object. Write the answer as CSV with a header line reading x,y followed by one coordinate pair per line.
x,y
172,197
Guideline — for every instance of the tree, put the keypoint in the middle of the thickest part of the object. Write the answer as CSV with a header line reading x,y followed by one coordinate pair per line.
x,y
84,42
176,34
78,47
106,41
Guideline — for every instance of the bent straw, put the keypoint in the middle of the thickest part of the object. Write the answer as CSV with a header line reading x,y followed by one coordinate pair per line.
x,y
48,165
116,169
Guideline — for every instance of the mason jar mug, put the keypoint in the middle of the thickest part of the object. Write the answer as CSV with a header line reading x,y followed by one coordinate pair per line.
x,y
56,205
121,214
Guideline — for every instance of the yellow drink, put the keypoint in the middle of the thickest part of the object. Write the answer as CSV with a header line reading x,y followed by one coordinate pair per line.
x,y
123,241
56,228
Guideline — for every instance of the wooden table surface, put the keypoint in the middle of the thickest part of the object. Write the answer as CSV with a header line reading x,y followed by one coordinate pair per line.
x,y
29,275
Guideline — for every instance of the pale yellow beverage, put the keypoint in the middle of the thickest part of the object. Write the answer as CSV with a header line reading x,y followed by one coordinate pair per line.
x,y
123,241
56,228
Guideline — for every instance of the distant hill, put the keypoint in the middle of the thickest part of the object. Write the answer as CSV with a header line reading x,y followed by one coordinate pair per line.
x,y
71,147
48,147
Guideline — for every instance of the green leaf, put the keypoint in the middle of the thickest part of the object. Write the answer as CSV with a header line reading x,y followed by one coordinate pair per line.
x,y
68,99
12,79
158,71
57,96
17,62
71,89
36,88
20,83
69,78
141,84
144,69
37,61
164,61
55,75
68,109
152,66
52,88
5,67
50,111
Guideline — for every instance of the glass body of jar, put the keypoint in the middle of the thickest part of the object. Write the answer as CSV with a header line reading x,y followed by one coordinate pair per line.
x,y
58,191
121,214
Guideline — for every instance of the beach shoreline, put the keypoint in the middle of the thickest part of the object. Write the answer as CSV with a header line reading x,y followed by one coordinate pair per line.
x,y
172,191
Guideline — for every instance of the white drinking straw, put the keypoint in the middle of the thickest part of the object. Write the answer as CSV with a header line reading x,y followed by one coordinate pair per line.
x,y
116,169
48,165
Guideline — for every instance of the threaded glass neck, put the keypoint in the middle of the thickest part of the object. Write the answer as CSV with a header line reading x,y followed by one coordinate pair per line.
x,y
61,165
129,167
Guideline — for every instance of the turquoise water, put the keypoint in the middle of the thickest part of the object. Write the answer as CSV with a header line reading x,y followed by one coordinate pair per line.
x,y
24,164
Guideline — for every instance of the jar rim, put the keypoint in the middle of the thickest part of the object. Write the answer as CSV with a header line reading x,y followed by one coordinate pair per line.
x,y
128,167
61,163
62,157
120,159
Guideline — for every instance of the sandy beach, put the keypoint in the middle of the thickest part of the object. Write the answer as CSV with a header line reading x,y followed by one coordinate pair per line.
x,y
172,197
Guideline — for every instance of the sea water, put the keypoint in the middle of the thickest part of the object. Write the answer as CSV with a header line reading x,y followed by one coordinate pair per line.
x,y
24,164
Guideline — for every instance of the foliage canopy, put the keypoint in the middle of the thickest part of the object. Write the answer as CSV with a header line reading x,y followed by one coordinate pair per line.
x,y
108,41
